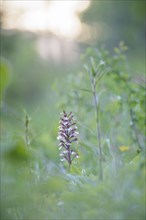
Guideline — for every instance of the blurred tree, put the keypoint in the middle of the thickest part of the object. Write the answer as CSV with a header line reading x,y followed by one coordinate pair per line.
x,y
125,21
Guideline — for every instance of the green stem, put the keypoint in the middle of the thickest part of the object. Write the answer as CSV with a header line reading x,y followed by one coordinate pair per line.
x,y
98,129
26,131
69,165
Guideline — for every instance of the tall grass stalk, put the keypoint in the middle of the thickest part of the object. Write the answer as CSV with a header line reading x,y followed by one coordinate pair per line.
x,y
95,74
97,113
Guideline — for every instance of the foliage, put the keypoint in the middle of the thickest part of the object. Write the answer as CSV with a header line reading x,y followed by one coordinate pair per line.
x,y
36,185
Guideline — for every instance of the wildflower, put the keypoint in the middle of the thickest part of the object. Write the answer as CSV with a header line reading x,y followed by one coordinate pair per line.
x,y
124,148
66,136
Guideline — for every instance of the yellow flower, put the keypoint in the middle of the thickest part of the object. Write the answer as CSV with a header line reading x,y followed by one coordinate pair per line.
x,y
124,148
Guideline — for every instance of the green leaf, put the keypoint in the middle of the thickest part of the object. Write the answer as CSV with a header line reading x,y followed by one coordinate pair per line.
x,y
4,77
86,90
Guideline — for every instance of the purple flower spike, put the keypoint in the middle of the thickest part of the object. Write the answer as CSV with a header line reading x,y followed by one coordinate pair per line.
x,y
67,135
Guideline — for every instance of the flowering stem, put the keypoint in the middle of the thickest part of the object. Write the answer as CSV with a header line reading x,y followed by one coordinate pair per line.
x,y
67,134
69,165
69,159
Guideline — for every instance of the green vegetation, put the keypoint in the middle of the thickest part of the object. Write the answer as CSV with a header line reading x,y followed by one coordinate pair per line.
x,y
100,80
107,180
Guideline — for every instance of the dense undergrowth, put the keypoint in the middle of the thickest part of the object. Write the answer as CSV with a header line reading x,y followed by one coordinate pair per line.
x,y
35,184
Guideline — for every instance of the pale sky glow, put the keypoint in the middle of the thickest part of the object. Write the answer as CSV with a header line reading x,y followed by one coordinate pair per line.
x,y
60,16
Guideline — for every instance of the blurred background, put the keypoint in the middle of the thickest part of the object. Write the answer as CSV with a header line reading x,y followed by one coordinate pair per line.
x,y
42,41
